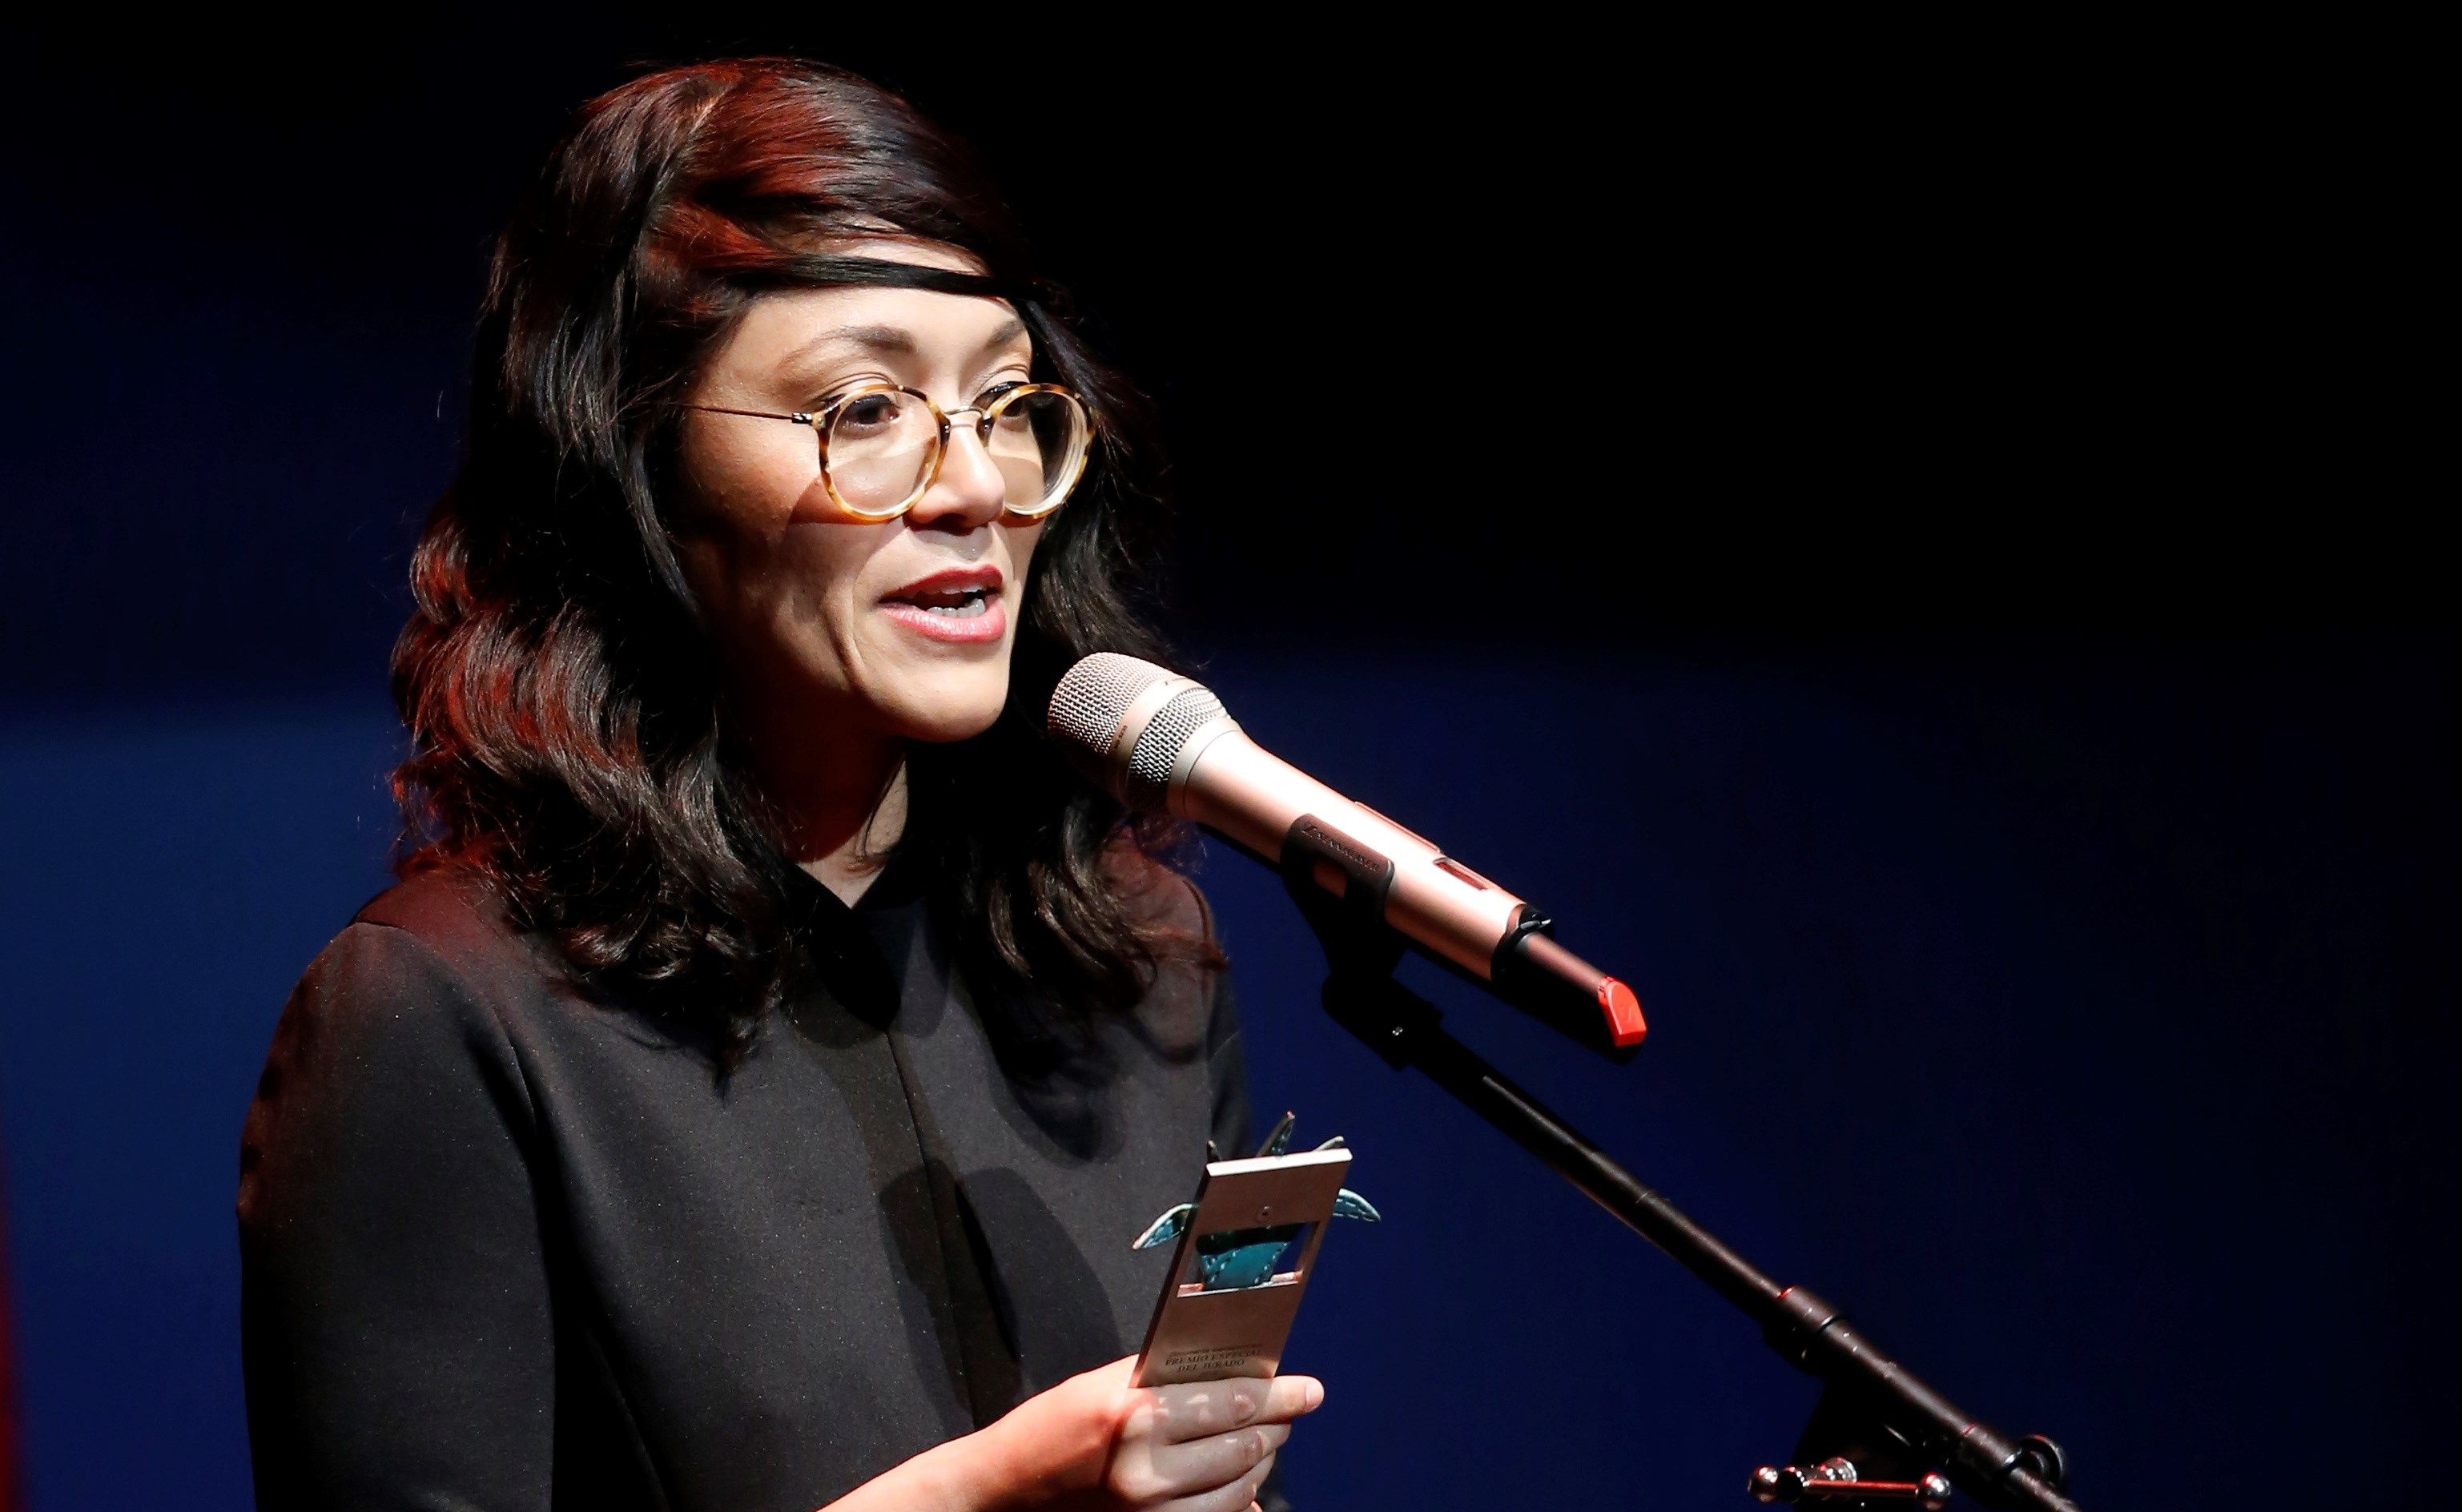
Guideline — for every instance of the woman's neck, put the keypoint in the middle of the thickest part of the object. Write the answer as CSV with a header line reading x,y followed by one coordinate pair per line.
x,y
839,816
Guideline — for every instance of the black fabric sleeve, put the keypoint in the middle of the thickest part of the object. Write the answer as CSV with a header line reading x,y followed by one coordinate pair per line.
x,y
395,1313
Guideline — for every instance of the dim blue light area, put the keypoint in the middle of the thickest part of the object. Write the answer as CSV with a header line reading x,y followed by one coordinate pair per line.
x,y
168,878
2059,1026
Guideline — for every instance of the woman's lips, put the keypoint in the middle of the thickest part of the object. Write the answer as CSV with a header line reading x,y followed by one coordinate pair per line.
x,y
959,607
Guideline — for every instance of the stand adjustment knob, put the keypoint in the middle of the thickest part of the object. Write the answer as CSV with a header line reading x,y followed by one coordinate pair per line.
x,y
1835,1479
2044,1461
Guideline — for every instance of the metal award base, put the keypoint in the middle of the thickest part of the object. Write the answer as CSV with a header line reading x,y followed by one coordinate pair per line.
x,y
1879,1438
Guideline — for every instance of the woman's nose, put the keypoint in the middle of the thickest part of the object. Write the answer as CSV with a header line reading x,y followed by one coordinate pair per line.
x,y
970,490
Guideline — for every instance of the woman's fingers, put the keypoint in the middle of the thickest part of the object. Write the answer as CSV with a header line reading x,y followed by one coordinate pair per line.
x,y
1214,1463
1205,1446
1204,1408
1289,1396
1240,1494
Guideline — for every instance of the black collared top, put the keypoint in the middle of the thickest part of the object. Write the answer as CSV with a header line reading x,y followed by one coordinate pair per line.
x,y
507,1248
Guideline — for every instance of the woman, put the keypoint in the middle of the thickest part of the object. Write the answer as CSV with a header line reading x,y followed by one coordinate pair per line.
x,y
747,1097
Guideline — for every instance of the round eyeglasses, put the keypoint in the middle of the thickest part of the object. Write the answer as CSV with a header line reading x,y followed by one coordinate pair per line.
x,y
882,445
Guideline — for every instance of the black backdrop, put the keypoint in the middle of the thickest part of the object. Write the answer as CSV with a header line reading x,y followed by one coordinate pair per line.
x,y
1904,541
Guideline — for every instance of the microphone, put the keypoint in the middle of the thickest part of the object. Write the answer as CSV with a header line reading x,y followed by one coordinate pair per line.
x,y
1162,744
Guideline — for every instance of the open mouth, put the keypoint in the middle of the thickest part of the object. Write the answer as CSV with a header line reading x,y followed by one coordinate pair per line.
x,y
950,603
960,605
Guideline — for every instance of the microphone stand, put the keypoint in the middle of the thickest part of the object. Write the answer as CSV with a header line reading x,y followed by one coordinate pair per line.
x,y
1879,1437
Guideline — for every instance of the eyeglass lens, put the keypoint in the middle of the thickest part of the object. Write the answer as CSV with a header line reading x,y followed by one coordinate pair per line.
x,y
881,447
1037,440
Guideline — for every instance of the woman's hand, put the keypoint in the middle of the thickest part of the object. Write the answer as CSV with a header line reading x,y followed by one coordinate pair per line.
x,y
1094,1443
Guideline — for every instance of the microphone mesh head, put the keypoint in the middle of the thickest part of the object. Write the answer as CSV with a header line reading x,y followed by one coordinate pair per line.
x,y
1092,702
1159,745
1087,706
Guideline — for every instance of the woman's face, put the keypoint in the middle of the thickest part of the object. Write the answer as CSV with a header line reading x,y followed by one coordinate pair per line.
x,y
898,629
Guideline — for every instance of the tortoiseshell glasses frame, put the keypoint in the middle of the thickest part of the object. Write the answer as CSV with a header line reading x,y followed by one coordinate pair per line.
x,y
868,424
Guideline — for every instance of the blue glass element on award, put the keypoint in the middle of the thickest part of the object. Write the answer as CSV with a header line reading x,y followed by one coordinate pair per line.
x,y
1240,1258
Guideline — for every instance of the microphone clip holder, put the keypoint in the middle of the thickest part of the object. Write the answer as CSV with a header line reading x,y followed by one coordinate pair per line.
x,y
1322,866
1879,1439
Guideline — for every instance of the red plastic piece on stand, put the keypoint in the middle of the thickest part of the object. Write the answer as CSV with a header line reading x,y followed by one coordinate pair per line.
x,y
1623,1012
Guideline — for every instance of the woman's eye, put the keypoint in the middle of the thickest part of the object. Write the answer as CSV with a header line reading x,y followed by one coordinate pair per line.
x,y
869,412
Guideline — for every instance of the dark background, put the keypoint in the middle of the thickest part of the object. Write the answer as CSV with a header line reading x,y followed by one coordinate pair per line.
x,y
1910,544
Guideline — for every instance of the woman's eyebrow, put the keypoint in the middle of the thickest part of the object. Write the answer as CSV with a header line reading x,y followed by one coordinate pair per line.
x,y
890,340
887,340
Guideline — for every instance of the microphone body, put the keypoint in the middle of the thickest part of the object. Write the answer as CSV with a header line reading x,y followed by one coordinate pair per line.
x,y
1161,743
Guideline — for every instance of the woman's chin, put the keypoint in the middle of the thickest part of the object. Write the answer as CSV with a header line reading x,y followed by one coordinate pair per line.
x,y
956,709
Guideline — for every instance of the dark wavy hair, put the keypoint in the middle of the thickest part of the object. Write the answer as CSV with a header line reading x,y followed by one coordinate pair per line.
x,y
569,741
